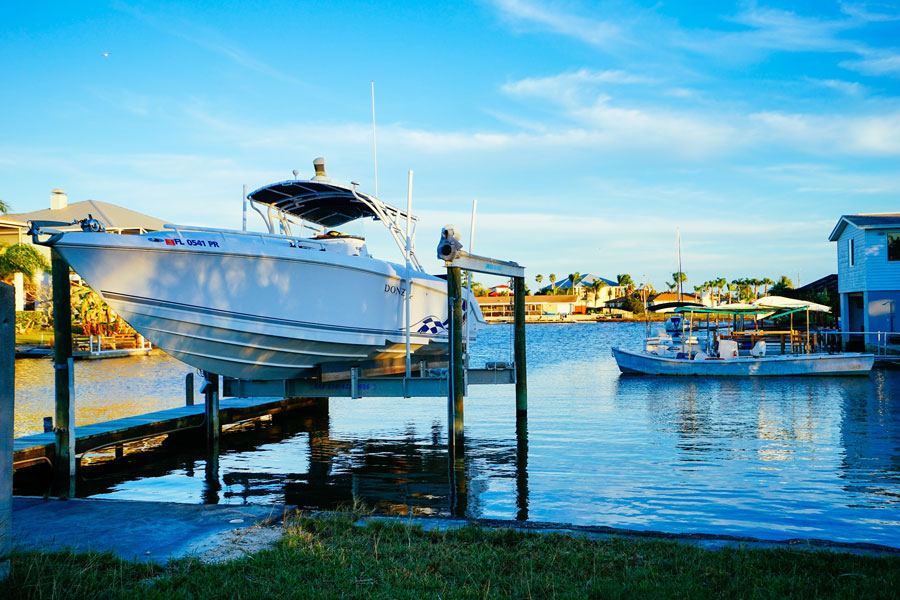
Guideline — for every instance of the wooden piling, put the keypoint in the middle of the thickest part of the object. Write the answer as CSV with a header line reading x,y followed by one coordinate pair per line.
x,y
7,404
519,345
64,377
211,398
457,387
189,389
521,469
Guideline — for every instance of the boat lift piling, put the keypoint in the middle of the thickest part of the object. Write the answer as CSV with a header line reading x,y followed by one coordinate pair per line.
x,y
210,389
457,260
64,426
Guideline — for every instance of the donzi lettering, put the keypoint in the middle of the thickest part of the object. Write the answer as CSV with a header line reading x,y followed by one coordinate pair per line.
x,y
190,242
394,289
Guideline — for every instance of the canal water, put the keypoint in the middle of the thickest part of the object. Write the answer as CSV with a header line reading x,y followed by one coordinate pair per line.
x,y
773,458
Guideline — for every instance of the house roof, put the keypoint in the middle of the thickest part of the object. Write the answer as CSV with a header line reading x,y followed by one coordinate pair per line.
x,y
829,282
671,297
871,221
112,216
587,280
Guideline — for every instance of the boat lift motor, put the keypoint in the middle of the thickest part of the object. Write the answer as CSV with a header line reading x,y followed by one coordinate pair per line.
x,y
449,245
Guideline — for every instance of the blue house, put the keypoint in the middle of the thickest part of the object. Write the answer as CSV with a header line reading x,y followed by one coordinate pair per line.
x,y
868,252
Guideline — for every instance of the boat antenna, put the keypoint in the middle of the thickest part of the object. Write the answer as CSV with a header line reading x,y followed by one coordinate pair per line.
x,y
678,244
244,225
469,295
408,254
374,143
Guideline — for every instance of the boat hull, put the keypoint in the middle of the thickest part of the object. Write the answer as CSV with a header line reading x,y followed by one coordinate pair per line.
x,y
788,365
258,307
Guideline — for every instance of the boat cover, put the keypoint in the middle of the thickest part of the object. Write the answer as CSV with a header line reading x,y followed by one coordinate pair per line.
x,y
318,202
782,302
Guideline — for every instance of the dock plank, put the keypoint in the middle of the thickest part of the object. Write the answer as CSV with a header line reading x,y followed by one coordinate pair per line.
x,y
39,447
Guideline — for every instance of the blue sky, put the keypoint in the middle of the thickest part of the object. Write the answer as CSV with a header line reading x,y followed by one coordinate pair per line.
x,y
587,131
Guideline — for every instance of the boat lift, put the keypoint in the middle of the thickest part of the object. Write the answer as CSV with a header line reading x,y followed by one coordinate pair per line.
x,y
451,382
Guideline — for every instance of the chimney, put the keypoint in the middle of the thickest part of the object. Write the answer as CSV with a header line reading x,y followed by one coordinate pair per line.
x,y
58,199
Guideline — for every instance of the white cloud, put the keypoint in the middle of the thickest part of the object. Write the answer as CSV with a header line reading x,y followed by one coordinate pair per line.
x,y
821,179
765,30
570,83
776,29
871,12
849,88
552,18
646,246
876,63
832,134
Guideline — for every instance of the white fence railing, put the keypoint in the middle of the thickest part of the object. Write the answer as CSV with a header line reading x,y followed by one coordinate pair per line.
x,y
99,344
882,343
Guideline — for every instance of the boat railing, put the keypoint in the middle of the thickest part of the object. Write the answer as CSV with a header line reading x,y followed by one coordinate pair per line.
x,y
301,242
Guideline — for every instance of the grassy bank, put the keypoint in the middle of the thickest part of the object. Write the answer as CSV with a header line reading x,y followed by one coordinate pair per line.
x,y
332,558
35,338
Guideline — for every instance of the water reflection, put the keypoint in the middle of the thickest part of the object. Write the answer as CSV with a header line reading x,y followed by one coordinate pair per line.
x,y
870,437
769,457
104,389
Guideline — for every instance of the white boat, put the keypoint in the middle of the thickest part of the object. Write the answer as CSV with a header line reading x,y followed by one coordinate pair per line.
x,y
813,364
267,305
687,358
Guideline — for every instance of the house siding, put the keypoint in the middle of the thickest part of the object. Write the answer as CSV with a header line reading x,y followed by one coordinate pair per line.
x,y
852,279
881,275
882,307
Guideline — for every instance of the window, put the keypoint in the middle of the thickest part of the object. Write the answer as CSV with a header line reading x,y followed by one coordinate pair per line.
x,y
893,241
850,251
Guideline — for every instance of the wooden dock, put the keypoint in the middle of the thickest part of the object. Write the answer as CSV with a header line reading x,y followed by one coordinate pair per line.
x,y
33,449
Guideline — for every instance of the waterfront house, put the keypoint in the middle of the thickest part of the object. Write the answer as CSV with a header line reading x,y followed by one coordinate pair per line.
x,y
116,219
868,256
537,308
582,290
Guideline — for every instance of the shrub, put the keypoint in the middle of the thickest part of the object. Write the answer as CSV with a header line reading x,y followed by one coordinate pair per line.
x,y
28,320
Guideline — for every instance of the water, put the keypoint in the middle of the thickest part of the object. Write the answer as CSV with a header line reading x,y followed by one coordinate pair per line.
x,y
775,458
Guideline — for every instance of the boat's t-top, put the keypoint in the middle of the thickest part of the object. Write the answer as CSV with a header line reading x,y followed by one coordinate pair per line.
x,y
321,204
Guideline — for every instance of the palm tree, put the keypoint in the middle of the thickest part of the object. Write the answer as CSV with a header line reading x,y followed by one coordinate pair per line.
x,y
781,285
574,279
598,285
539,278
737,285
721,284
755,283
552,278
624,280
768,283
21,258
678,278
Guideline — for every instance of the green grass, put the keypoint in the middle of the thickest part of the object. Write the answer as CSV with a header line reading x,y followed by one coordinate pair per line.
x,y
332,558
34,337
